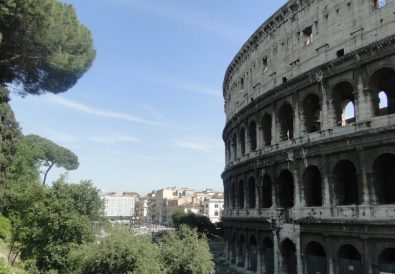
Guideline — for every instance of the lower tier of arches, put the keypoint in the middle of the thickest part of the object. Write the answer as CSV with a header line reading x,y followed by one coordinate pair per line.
x,y
260,247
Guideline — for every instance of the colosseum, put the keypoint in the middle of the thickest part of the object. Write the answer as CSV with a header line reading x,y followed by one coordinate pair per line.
x,y
310,141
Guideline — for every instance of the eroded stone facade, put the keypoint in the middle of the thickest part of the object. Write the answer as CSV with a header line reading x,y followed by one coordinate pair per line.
x,y
310,141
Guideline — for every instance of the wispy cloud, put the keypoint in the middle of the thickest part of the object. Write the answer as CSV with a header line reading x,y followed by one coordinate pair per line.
x,y
102,113
193,145
196,89
184,16
56,135
112,139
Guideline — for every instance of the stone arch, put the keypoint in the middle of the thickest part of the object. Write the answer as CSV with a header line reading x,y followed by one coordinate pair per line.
x,y
343,95
267,129
233,194
384,174
346,186
252,136
383,80
229,150
286,189
286,121
288,252
386,260
315,258
266,195
234,146
241,194
242,138
349,257
241,250
251,193
233,250
312,113
268,256
252,254
312,184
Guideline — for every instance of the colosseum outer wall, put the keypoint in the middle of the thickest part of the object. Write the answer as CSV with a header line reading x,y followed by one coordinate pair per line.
x,y
310,141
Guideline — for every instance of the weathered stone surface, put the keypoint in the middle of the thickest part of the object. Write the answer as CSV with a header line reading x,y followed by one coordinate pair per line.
x,y
308,189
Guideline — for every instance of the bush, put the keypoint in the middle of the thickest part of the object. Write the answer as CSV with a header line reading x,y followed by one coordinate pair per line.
x,y
200,222
184,251
5,268
5,228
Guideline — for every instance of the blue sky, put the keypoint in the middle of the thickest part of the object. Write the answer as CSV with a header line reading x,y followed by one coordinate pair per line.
x,y
149,112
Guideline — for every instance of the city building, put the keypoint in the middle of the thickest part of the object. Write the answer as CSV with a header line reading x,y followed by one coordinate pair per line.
x,y
213,208
119,208
310,141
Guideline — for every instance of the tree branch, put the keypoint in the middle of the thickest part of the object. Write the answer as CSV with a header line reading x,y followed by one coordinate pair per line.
x,y
46,172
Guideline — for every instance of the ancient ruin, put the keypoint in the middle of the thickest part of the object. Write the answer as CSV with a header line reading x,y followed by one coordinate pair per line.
x,y
310,141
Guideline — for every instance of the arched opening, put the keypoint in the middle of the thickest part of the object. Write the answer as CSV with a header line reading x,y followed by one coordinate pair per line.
x,y
241,194
312,113
387,261
242,141
233,249
343,103
312,186
234,146
288,251
266,192
241,251
251,193
253,254
252,135
267,129
382,83
233,194
315,258
268,256
384,174
346,183
286,189
286,121
349,259
228,150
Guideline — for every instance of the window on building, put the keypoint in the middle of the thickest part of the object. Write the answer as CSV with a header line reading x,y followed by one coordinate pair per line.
x,y
378,4
264,64
308,35
216,213
216,205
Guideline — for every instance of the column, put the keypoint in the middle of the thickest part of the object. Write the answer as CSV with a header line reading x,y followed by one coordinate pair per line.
x,y
275,133
365,191
297,125
326,190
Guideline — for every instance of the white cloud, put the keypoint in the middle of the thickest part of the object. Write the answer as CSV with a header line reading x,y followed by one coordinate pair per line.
x,y
112,139
102,113
192,145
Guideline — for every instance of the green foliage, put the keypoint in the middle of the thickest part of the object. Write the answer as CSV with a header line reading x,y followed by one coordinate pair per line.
x,y
200,222
5,228
50,154
54,223
43,46
10,135
5,268
184,251
121,252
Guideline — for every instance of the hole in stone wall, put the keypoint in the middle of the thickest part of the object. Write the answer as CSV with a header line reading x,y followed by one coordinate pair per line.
x,y
315,258
384,174
286,122
286,189
264,64
312,186
241,194
285,80
387,261
267,129
242,141
340,53
343,103
312,113
288,251
346,183
252,136
253,254
266,192
382,83
251,193
308,35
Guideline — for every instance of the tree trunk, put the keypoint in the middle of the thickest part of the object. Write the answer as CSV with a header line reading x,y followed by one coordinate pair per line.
x,y
46,172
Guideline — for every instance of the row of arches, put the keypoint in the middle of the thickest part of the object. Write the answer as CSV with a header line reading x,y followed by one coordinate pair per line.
x,y
259,256
344,180
341,108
